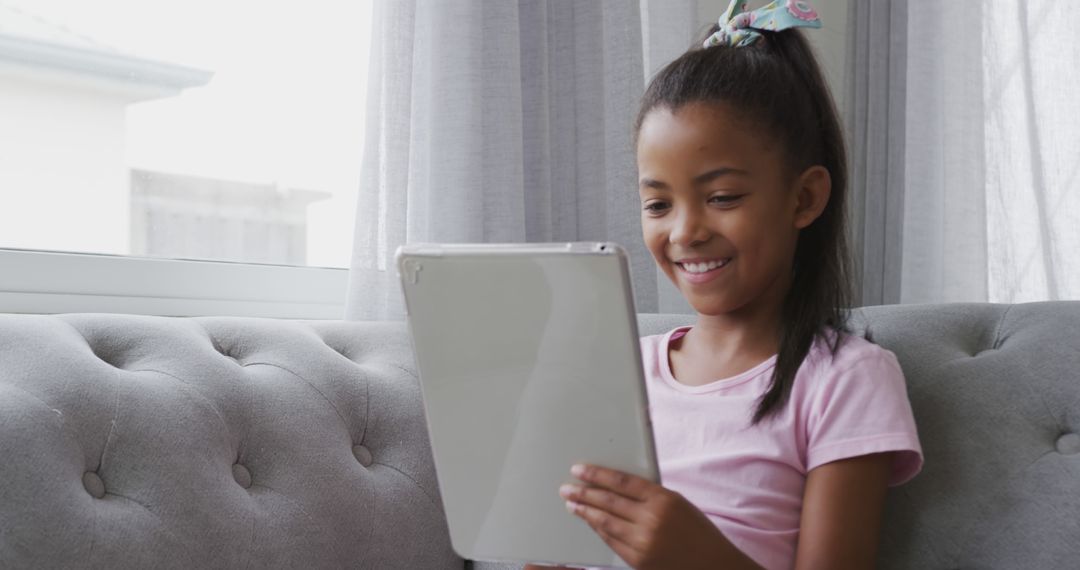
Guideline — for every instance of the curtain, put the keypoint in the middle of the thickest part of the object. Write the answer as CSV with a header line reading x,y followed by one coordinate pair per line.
x,y
965,150
496,121
875,114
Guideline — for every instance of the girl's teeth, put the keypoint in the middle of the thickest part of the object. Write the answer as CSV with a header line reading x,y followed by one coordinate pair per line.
x,y
701,267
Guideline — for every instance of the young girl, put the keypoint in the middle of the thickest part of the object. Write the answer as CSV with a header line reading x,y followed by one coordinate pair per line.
x,y
776,433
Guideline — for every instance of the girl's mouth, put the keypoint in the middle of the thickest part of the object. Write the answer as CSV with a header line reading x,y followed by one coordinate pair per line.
x,y
701,272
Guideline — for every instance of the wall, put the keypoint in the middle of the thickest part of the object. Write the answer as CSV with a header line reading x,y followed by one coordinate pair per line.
x,y
63,182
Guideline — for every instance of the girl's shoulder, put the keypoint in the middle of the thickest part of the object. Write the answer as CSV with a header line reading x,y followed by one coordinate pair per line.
x,y
837,352
856,403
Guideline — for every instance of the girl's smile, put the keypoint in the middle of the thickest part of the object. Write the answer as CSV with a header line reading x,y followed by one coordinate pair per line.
x,y
701,270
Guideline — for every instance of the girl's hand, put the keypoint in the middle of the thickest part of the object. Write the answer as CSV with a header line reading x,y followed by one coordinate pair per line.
x,y
647,525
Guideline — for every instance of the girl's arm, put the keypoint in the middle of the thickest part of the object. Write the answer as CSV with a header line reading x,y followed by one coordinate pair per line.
x,y
843,502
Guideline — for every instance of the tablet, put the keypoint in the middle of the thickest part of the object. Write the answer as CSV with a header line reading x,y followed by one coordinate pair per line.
x,y
529,361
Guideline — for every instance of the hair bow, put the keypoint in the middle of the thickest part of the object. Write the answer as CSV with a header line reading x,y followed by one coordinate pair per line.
x,y
742,29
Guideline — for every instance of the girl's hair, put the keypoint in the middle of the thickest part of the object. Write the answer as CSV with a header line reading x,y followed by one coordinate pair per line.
x,y
776,83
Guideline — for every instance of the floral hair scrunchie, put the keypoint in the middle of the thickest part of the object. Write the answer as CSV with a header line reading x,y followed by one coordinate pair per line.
x,y
743,29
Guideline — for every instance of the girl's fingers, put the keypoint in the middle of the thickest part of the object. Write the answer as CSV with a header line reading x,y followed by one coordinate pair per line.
x,y
624,484
602,499
619,534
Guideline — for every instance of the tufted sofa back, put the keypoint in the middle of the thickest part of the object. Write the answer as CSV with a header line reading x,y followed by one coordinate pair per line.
x,y
143,442
225,442
996,395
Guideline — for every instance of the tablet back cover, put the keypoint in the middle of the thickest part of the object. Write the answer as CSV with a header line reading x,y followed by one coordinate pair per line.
x,y
529,360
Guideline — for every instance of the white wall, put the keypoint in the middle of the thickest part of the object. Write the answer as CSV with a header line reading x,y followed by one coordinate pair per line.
x,y
63,181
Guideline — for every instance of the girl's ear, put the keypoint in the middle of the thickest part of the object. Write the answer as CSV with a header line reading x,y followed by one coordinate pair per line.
x,y
814,187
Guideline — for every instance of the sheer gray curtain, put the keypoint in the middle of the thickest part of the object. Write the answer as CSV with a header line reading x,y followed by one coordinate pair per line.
x,y
965,150
875,114
493,121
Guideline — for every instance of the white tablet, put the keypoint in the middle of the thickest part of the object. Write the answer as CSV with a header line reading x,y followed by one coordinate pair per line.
x,y
529,360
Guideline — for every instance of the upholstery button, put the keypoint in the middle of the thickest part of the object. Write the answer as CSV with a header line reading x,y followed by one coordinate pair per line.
x,y
363,455
1068,444
93,484
242,475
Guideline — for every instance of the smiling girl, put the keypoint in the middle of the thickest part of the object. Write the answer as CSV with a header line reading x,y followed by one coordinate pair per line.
x,y
777,433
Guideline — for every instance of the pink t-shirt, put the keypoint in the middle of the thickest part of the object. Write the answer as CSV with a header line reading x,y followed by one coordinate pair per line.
x,y
749,479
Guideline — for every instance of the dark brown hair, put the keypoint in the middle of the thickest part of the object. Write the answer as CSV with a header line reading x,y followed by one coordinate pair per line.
x,y
777,84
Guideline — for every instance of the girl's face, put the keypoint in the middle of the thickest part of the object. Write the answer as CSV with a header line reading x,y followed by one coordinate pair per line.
x,y
720,211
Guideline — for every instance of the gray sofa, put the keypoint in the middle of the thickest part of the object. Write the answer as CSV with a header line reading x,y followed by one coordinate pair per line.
x,y
138,442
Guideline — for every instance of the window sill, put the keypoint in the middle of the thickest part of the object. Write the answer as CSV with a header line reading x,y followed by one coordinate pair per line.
x,y
45,282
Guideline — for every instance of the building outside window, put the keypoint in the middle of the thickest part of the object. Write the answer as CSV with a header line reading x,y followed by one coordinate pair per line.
x,y
147,128
225,131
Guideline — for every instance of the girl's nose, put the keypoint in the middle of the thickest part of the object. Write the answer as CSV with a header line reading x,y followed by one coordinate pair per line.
x,y
690,228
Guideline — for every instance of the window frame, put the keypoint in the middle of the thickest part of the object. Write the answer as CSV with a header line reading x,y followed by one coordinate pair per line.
x,y
52,282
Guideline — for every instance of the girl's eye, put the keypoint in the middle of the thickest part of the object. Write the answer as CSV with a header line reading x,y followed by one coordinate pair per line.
x,y
656,207
725,199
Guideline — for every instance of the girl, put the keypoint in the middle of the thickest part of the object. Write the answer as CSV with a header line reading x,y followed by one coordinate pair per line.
x,y
776,433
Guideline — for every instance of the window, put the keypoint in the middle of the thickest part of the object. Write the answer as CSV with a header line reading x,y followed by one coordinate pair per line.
x,y
214,130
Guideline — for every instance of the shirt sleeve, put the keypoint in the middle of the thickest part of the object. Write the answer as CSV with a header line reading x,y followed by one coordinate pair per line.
x,y
862,408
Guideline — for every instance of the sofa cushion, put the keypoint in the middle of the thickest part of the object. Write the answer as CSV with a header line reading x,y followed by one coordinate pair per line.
x,y
996,395
138,442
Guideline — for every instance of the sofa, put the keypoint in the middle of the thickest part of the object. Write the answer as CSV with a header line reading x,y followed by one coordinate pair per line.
x,y
219,442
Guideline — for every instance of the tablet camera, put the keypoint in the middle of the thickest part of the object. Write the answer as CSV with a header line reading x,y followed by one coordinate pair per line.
x,y
411,269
